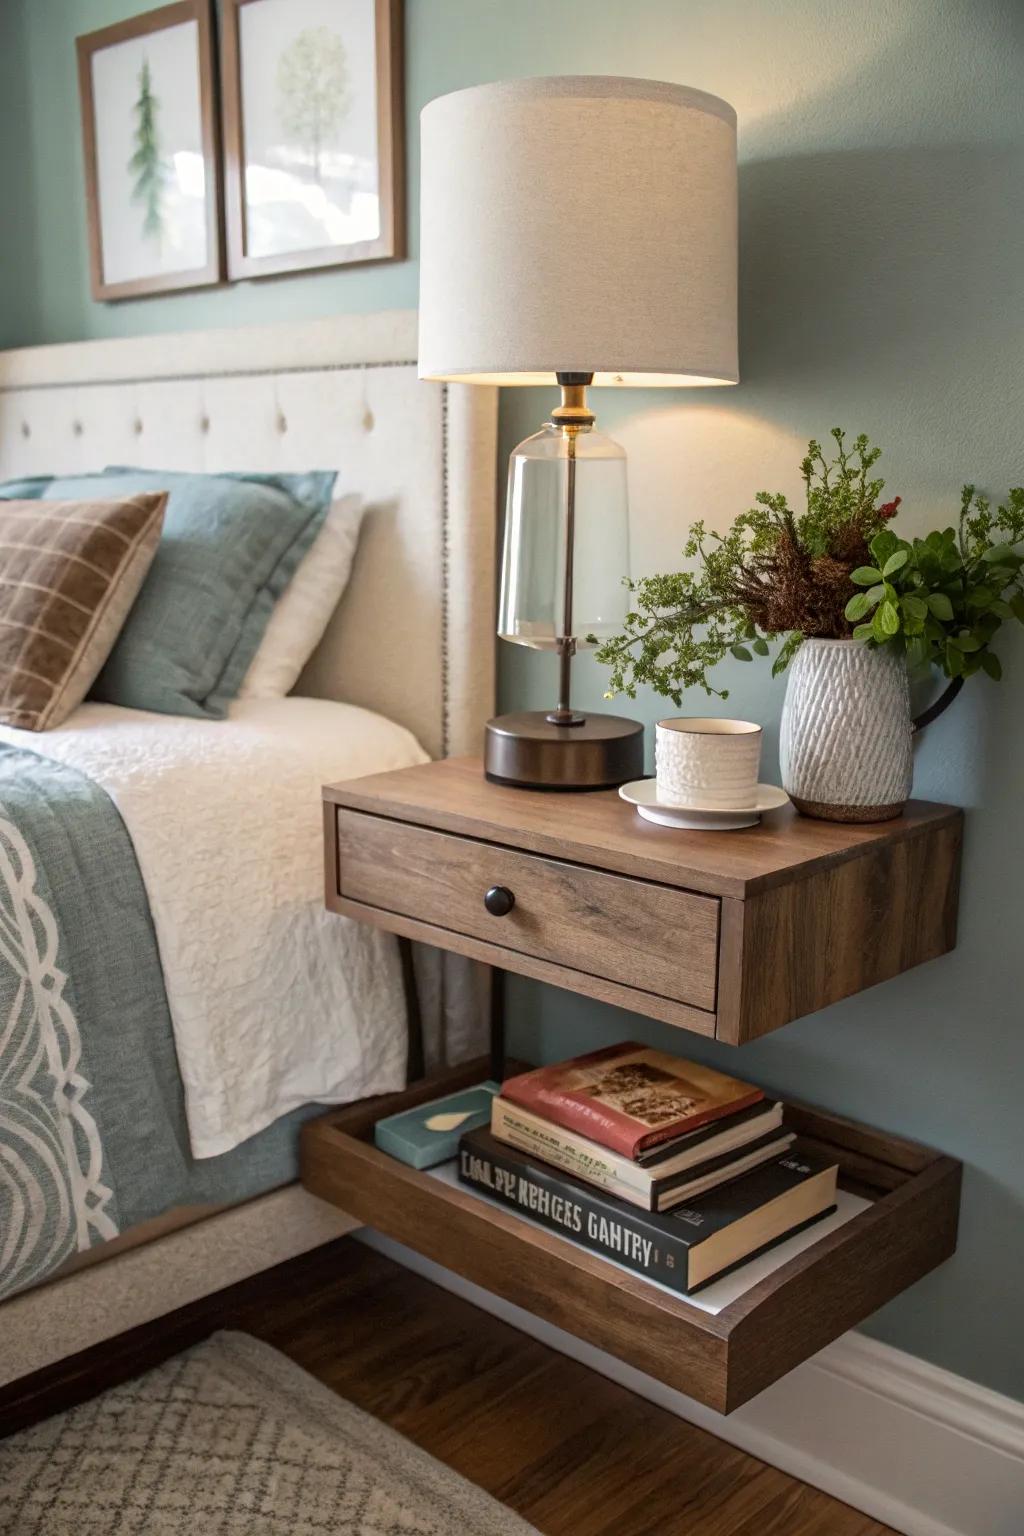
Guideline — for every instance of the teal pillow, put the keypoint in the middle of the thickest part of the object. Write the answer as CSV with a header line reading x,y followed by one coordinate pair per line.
x,y
231,544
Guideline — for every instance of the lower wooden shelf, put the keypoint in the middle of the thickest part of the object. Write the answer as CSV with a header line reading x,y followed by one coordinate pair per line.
x,y
721,1359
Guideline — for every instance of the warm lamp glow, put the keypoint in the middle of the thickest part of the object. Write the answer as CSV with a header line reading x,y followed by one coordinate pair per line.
x,y
630,380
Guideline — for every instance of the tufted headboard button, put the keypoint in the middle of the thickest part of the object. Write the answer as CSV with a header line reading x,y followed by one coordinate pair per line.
x,y
282,422
368,420
26,430
137,426
77,428
204,423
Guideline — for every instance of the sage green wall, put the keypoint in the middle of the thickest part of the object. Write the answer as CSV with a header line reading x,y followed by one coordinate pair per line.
x,y
882,195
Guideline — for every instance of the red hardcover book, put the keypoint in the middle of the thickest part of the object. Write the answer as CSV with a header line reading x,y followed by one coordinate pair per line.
x,y
628,1097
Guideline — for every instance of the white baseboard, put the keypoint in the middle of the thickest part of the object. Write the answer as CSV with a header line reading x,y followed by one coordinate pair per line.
x,y
922,1450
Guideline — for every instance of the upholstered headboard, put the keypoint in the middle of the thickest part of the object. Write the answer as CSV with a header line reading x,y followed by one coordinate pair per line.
x,y
414,635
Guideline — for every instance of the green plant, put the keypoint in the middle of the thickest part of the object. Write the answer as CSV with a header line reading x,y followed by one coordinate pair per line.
x,y
834,570
944,597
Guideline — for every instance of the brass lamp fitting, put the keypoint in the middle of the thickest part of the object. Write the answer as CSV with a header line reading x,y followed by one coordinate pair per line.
x,y
573,411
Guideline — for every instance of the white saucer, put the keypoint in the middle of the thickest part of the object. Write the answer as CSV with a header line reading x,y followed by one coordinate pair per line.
x,y
643,793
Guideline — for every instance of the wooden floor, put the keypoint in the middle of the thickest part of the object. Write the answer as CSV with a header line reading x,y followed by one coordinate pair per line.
x,y
575,1454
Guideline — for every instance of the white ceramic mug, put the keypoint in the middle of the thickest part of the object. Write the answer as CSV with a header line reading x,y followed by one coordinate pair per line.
x,y
701,761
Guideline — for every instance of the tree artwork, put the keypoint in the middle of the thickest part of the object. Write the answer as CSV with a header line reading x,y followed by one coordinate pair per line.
x,y
313,91
146,164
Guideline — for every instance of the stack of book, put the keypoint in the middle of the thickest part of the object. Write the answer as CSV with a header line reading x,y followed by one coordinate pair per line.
x,y
675,1170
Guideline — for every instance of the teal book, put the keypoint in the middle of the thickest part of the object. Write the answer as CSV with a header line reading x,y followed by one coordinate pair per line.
x,y
429,1134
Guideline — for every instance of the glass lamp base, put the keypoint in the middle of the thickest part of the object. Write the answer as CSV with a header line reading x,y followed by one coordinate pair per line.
x,y
528,751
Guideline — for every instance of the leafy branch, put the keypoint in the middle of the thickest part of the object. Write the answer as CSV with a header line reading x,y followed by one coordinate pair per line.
x,y
834,570
943,598
776,574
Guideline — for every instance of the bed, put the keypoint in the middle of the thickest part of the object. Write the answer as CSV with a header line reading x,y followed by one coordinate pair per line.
x,y
180,1119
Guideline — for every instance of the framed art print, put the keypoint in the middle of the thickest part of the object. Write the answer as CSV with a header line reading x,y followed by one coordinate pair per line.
x,y
149,131
313,134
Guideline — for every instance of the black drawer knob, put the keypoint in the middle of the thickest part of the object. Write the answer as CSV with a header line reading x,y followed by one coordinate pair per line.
x,y
499,901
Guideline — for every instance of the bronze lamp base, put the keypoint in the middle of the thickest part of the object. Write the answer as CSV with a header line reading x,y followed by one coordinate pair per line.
x,y
531,751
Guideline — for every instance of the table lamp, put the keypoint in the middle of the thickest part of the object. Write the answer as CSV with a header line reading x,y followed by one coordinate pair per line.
x,y
574,231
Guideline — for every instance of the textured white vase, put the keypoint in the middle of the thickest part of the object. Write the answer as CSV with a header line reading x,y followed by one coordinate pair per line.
x,y
844,744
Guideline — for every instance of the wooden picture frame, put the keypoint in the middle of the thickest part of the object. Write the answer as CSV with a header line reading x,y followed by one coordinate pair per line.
x,y
244,258
194,212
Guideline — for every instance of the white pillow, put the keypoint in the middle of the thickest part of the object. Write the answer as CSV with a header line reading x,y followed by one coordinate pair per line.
x,y
304,610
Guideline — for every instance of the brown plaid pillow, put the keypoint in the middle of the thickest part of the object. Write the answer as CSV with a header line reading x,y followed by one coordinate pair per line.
x,y
69,574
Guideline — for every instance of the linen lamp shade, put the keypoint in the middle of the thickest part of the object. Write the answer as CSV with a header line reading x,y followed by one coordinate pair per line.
x,y
580,225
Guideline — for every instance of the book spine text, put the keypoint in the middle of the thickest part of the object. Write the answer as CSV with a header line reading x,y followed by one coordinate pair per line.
x,y
594,1223
619,1175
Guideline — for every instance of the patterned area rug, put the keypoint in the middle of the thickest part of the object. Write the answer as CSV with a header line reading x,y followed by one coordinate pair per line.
x,y
232,1439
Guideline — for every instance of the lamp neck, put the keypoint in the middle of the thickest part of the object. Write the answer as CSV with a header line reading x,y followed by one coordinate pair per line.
x,y
573,411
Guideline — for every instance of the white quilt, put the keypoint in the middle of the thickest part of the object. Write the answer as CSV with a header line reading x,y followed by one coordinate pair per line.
x,y
275,1002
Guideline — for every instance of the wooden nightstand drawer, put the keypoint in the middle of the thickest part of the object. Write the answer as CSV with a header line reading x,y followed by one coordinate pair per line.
x,y
730,934
632,932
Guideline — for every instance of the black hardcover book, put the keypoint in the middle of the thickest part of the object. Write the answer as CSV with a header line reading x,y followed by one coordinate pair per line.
x,y
685,1248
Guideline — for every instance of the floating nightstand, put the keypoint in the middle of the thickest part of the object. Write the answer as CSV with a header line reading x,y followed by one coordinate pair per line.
x,y
724,934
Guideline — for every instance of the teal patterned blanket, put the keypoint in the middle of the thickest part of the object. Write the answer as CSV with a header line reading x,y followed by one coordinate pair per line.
x,y
93,1137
